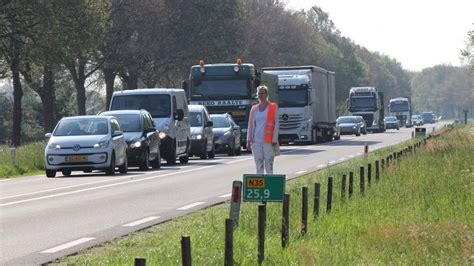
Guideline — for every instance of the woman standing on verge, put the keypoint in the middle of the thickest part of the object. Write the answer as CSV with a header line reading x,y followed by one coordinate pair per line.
x,y
262,133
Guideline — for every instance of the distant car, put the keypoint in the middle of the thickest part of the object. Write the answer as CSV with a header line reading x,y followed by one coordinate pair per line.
x,y
202,135
363,126
428,117
391,122
417,120
348,125
226,134
86,143
141,136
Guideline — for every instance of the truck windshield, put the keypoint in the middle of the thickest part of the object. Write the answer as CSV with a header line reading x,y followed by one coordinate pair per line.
x,y
217,88
363,102
399,106
157,104
292,98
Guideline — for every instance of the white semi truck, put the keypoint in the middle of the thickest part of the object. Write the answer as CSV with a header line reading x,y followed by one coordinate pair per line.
x,y
400,107
368,103
306,97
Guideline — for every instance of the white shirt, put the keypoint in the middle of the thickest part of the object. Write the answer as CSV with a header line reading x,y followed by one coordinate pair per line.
x,y
260,121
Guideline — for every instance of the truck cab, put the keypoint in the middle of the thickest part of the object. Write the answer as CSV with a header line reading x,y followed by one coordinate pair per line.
x,y
368,103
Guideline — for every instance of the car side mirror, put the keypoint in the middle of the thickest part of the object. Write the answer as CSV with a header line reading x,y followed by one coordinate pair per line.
x,y
117,133
184,86
179,115
237,128
209,124
47,135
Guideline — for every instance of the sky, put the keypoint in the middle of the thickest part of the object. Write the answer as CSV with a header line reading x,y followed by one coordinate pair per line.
x,y
417,33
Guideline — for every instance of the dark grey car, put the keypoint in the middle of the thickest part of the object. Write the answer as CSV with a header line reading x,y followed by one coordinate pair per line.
x,y
226,134
348,125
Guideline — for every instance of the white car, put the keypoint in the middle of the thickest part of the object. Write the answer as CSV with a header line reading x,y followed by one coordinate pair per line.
x,y
86,143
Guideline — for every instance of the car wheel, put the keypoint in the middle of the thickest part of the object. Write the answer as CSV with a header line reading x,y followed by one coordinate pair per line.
x,y
66,172
50,173
358,133
123,169
231,151
171,160
145,163
204,152
398,128
365,132
212,153
185,158
111,169
156,164
238,151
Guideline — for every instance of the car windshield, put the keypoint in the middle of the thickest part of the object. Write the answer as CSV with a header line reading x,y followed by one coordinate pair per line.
x,y
129,122
220,122
196,119
82,127
157,104
390,119
341,120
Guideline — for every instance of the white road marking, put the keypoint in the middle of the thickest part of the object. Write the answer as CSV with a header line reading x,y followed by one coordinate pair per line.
x,y
225,195
189,206
66,187
342,159
100,187
68,245
351,156
142,221
237,161
301,172
321,166
332,162
359,153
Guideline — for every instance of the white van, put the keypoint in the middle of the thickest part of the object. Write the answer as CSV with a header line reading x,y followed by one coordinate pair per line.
x,y
169,109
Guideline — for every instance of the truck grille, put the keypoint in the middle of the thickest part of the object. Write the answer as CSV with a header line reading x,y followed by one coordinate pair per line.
x,y
290,121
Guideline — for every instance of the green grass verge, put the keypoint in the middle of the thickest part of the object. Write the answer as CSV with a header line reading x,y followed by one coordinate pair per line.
x,y
420,212
29,160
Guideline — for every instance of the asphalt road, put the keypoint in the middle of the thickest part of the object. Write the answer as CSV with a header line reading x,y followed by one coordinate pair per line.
x,y
46,218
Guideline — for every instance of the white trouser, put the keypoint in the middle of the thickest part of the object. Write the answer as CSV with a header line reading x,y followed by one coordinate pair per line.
x,y
264,155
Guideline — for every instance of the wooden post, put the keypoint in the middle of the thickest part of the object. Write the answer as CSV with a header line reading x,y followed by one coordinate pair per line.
x,y
329,197
362,180
369,174
377,170
383,164
186,250
229,243
140,262
343,187
351,184
285,229
317,192
304,211
262,210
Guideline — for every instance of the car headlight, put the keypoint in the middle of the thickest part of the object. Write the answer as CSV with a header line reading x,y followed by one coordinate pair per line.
x,y
198,136
164,132
136,144
101,145
227,133
54,146
354,127
162,135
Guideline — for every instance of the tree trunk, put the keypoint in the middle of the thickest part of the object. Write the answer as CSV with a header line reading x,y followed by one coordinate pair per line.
x,y
48,96
131,80
109,77
17,91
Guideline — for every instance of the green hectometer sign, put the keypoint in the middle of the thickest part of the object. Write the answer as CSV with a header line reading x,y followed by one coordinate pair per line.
x,y
264,187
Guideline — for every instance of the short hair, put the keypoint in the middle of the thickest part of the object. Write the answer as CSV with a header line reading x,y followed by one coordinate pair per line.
x,y
262,88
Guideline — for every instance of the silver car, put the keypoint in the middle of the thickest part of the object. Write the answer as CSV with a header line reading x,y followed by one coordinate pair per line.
x,y
86,143
349,125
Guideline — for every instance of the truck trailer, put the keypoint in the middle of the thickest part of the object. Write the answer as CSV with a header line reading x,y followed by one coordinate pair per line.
x,y
367,102
306,97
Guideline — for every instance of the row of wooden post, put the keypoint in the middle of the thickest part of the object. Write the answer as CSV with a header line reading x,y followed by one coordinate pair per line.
x,y
229,225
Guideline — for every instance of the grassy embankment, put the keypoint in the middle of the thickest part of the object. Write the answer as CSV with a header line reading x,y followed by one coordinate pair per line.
x,y
29,160
420,212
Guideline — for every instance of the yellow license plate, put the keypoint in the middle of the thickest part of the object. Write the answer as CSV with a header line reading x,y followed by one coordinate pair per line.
x,y
256,182
238,113
76,158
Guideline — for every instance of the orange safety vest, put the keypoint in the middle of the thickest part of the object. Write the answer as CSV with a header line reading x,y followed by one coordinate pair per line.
x,y
270,125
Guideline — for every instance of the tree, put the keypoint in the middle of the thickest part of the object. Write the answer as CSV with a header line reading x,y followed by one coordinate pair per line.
x,y
467,54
